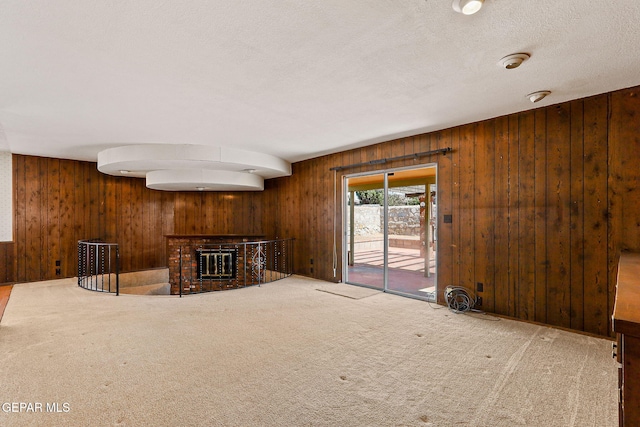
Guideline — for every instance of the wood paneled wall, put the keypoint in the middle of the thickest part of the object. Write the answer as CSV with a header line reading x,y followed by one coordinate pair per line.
x,y
58,202
542,203
218,213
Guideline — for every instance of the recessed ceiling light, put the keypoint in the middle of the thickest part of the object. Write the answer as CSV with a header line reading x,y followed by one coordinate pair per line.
x,y
124,172
467,7
513,61
538,96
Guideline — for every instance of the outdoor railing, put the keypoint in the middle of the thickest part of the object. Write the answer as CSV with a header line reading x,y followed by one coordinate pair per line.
x,y
99,266
220,266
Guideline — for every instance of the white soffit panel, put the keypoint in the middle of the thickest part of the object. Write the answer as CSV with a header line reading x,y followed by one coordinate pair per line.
x,y
203,180
188,167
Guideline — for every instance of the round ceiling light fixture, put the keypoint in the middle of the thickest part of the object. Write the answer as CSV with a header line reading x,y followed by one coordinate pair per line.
x,y
538,96
467,7
513,61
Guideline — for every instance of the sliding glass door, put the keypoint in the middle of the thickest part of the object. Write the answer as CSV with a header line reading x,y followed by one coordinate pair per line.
x,y
390,235
365,237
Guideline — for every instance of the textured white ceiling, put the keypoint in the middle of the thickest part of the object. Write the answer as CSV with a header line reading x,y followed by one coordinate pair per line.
x,y
291,78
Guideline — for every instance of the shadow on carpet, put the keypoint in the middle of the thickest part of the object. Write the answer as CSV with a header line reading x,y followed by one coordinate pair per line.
x,y
348,291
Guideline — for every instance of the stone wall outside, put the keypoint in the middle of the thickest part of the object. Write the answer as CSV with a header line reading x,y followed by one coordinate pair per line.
x,y
403,220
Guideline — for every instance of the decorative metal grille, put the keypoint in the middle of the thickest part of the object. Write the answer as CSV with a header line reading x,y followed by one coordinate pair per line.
x,y
217,264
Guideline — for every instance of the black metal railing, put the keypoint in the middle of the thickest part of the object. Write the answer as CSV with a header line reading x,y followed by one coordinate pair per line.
x,y
99,266
220,266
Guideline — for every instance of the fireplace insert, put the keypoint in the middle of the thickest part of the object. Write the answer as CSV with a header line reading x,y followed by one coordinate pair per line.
x,y
217,264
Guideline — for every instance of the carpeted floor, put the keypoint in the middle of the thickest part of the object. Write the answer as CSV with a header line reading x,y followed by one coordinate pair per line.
x,y
285,354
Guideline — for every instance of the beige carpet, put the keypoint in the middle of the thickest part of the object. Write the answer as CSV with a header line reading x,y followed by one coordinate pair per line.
x,y
284,354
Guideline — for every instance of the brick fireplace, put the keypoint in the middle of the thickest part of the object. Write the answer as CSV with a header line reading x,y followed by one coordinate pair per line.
x,y
210,262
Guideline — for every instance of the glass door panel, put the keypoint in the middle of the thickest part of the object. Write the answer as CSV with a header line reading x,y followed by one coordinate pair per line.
x,y
411,235
365,231
390,231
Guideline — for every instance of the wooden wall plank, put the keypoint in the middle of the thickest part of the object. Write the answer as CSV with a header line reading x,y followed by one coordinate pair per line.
x,y
324,251
180,213
240,222
306,260
32,233
43,262
526,218
207,212
514,208
125,242
269,198
483,212
228,202
220,210
541,213
290,198
313,209
68,254
20,221
558,232
158,254
445,198
256,203
52,254
96,196
148,232
110,208
137,224
595,263
455,208
168,213
467,206
576,221
82,188
615,180
501,216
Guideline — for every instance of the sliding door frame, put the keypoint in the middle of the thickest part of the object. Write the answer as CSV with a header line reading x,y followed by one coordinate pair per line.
x,y
347,223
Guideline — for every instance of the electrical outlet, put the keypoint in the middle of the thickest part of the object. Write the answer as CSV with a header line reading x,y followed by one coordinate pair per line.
x,y
479,287
478,301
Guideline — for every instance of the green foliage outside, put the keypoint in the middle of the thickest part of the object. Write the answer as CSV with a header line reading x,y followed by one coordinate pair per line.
x,y
376,197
